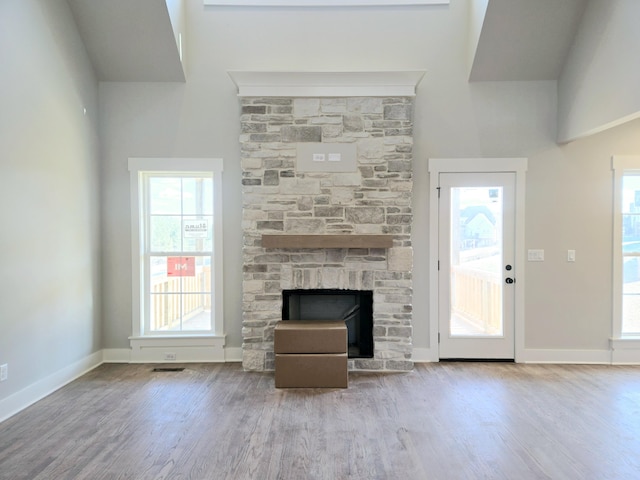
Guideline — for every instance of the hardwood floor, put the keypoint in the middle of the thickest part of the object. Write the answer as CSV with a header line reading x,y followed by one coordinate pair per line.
x,y
441,421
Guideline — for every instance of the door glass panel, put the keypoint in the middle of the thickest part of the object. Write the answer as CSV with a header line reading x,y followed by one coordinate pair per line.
x,y
476,261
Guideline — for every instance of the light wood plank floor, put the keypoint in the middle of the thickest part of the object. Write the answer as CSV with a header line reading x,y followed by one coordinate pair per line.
x,y
441,421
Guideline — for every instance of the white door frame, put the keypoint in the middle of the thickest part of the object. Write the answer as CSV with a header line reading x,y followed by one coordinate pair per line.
x,y
470,165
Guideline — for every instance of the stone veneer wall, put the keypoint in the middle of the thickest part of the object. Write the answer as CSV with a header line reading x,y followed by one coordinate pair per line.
x,y
375,199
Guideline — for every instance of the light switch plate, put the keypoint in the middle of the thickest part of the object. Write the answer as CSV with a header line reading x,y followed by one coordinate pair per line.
x,y
536,255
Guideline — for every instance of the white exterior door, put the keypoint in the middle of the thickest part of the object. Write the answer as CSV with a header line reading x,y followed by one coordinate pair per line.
x,y
476,265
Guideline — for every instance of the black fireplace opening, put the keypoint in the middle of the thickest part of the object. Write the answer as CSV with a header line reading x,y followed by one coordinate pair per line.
x,y
354,307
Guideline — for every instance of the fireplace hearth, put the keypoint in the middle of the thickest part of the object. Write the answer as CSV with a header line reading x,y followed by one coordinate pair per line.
x,y
353,307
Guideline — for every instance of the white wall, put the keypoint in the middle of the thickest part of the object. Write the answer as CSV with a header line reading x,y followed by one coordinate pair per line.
x,y
598,87
568,187
570,205
49,238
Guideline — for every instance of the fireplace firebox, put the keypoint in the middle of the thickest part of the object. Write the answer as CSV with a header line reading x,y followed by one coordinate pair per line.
x,y
354,307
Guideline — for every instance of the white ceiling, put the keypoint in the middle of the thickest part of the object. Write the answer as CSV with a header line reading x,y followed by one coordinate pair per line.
x,y
129,40
524,40
520,40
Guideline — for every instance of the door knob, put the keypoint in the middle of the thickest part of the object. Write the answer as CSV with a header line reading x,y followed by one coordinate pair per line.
x,y
509,280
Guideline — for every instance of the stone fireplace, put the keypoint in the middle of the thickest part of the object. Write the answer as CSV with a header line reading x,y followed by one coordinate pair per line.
x,y
372,200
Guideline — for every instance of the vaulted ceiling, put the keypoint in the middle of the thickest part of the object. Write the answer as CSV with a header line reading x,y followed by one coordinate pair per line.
x,y
129,40
524,40
519,40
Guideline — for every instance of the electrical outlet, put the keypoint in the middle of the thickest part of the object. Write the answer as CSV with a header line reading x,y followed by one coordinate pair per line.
x,y
170,356
4,372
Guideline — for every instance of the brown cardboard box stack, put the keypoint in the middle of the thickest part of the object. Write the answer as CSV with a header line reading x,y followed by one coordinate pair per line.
x,y
311,354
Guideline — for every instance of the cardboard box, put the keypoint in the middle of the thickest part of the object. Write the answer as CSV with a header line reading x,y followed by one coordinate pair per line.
x,y
314,370
310,336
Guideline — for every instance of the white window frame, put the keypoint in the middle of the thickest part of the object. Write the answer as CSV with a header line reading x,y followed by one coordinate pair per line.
x,y
137,168
625,347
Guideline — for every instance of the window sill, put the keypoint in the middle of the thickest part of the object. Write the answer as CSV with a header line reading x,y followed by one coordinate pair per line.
x,y
625,341
177,348
176,337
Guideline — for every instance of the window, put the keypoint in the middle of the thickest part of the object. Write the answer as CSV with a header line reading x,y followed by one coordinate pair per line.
x,y
176,245
626,237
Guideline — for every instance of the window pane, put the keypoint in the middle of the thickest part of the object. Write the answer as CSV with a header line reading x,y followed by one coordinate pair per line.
x,y
176,312
165,233
164,312
631,314
196,312
631,295
630,233
164,196
207,196
160,282
630,246
201,280
197,196
179,221
197,234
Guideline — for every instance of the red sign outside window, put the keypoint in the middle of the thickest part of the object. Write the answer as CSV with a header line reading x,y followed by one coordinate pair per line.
x,y
181,266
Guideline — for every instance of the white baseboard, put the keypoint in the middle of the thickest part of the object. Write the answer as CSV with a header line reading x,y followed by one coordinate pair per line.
x,y
531,355
116,355
233,354
123,355
40,389
424,355
628,356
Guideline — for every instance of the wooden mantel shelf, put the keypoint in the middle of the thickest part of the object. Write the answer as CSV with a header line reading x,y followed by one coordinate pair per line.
x,y
327,241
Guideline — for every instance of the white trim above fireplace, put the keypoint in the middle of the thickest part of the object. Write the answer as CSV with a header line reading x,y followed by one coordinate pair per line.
x,y
400,83
322,3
